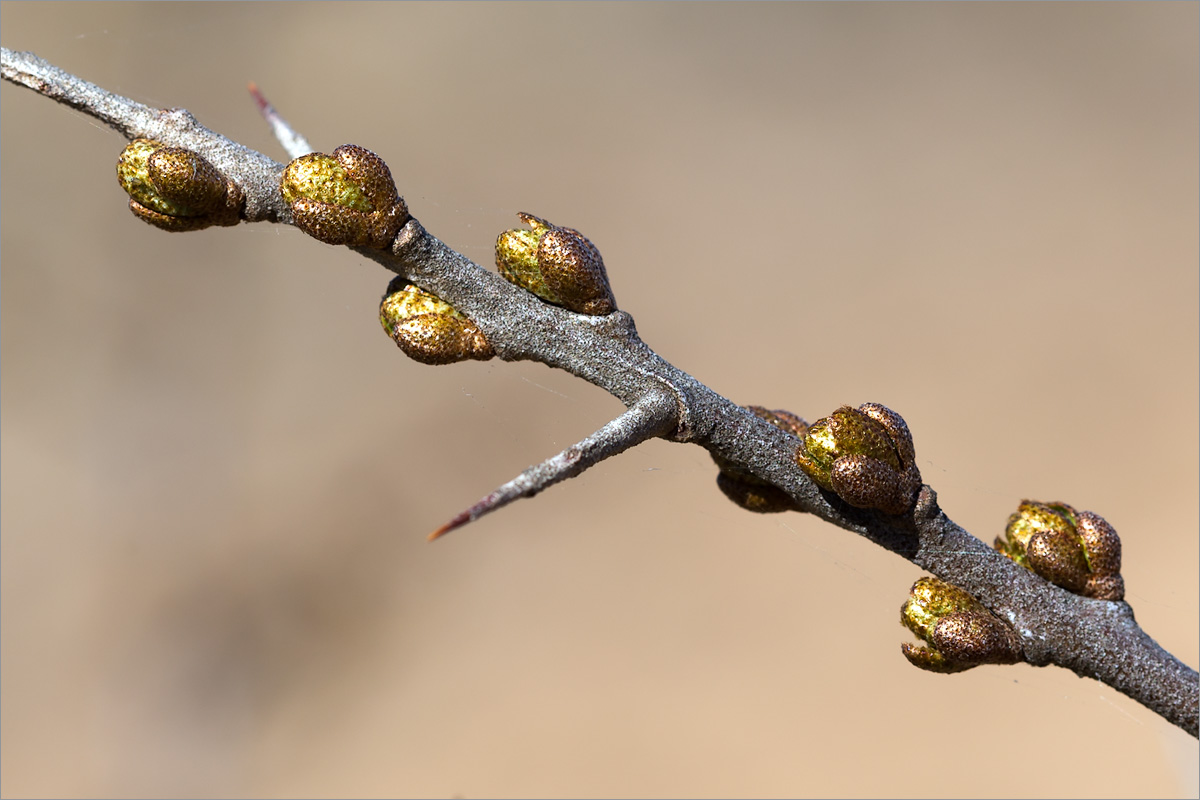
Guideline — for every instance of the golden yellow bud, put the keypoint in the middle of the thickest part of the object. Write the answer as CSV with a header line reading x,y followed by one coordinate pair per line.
x,y
347,198
557,264
1077,550
176,189
960,633
865,456
428,329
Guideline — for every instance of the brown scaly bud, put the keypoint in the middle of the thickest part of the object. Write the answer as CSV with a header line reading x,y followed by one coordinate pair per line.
x,y
864,455
176,189
345,198
1077,550
557,264
749,491
428,329
959,631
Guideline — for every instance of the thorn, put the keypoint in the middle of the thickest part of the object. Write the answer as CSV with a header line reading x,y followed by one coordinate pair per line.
x,y
261,101
651,416
457,522
521,486
293,143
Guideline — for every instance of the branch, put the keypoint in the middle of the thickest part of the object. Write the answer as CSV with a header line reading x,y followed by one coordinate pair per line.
x,y
1094,638
648,418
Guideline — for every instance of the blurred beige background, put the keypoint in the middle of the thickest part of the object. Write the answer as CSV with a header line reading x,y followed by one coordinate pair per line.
x,y
218,473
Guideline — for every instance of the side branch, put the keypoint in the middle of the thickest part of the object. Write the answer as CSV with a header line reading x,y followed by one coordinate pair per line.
x,y
650,417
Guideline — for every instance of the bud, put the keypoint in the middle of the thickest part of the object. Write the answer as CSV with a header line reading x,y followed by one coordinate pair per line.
x,y
345,198
557,264
746,489
865,456
960,632
176,189
428,329
1077,550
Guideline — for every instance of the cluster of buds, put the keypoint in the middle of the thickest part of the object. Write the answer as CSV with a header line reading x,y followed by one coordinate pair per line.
x,y
176,189
346,198
557,264
958,631
428,329
865,456
751,492
1077,550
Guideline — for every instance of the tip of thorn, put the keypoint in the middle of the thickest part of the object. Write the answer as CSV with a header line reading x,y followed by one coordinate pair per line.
x,y
252,87
457,522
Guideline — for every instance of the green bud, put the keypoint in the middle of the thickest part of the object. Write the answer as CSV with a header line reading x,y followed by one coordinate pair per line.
x,y
1077,550
557,264
428,329
865,456
960,633
176,189
347,198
